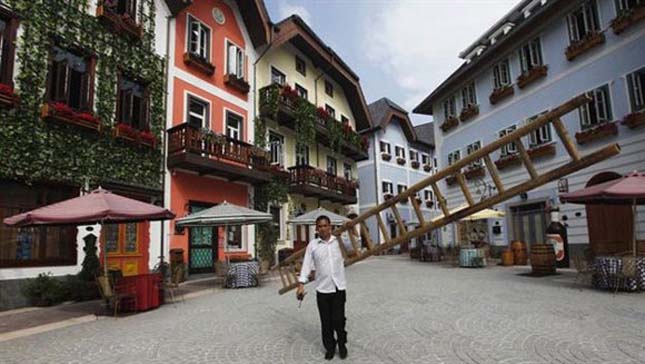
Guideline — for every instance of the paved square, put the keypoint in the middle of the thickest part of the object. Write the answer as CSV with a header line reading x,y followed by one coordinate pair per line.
x,y
399,311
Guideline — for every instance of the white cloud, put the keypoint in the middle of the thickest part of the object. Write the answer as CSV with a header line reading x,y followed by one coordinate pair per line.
x,y
418,43
285,10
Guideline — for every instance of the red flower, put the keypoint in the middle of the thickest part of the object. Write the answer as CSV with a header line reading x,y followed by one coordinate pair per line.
x,y
365,142
6,89
322,113
62,108
147,136
87,117
288,92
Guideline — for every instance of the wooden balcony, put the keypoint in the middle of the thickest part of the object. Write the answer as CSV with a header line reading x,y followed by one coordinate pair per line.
x,y
284,113
214,154
312,182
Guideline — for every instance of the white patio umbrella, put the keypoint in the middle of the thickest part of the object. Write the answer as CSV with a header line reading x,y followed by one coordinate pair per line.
x,y
479,215
310,217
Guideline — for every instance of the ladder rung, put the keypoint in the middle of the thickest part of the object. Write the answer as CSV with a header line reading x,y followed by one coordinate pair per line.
x,y
494,173
526,159
566,139
462,183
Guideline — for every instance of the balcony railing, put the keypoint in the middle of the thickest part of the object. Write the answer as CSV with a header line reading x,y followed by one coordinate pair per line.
x,y
191,148
313,182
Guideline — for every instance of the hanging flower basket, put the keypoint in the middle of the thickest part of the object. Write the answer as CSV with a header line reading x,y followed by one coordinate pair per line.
x,y
598,132
634,120
8,99
500,94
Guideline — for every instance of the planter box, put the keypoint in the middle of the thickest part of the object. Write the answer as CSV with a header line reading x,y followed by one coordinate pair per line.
x,y
451,180
534,74
386,157
415,164
500,94
634,120
118,23
449,124
400,161
49,113
427,167
8,100
429,203
541,151
583,45
599,132
469,112
508,161
627,18
475,172
198,63
237,83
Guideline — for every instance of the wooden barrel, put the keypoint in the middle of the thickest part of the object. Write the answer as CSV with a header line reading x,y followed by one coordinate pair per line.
x,y
543,259
507,257
518,245
520,257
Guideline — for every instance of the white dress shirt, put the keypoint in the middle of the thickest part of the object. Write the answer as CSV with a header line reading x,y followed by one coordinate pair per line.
x,y
327,259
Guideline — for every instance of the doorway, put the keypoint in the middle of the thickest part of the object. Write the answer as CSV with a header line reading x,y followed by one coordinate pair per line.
x,y
202,244
529,223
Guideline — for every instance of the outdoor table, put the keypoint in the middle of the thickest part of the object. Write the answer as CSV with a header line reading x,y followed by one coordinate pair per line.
x,y
146,288
242,274
466,256
607,266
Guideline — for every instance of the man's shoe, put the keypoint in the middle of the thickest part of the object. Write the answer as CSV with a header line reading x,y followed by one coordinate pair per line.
x,y
329,355
342,351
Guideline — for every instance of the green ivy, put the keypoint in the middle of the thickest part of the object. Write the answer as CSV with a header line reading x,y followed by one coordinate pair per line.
x,y
336,135
34,150
305,116
273,193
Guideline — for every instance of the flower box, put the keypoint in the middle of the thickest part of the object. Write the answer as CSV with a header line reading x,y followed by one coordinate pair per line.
x,y
598,132
427,167
627,18
449,123
199,63
60,112
386,157
451,180
469,112
418,199
237,83
507,161
119,23
415,164
128,133
429,203
8,99
387,196
148,139
475,172
400,161
591,40
542,150
501,93
635,119
531,76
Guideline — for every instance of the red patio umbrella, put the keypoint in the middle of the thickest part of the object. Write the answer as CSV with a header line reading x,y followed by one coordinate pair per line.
x,y
99,206
628,190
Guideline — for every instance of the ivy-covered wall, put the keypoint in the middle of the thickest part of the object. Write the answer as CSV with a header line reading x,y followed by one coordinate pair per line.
x,y
32,150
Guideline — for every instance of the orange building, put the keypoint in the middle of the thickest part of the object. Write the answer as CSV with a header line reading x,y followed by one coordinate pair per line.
x,y
210,156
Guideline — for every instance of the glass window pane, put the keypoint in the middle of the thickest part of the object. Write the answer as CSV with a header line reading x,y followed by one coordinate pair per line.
x,y
131,245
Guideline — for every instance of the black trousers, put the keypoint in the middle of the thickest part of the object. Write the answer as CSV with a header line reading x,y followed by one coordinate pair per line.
x,y
331,307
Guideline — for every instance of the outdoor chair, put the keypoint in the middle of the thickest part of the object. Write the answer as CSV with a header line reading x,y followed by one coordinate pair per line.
x,y
584,271
114,294
627,271
172,284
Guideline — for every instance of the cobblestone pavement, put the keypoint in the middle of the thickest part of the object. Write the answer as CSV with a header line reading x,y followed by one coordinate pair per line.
x,y
398,311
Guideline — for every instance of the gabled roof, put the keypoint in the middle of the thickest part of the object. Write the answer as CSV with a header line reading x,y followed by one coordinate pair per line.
x,y
384,111
425,133
295,31
523,17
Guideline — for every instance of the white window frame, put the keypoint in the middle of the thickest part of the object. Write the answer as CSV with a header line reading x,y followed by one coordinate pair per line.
x,y
541,135
502,74
284,76
636,90
300,155
299,89
414,155
510,148
622,5
235,63
425,159
232,248
399,148
468,95
388,145
451,156
332,163
472,148
276,149
387,183
199,52
206,117
449,107
535,58
602,108
400,188
232,132
347,172
590,20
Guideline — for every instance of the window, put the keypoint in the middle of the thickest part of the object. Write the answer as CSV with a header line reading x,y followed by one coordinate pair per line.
x,y
540,136
449,107
344,119
385,147
453,157
70,79
198,112
509,148
427,195
132,103
472,148
199,39
598,111
235,61
583,21
414,155
399,152
347,171
636,83
331,111
278,77
234,237
302,92
37,246
300,66
276,141
530,55
123,7
468,95
622,5
436,165
501,74
121,239
425,159
331,166
8,26
400,188
233,125
302,154
329,89
387,187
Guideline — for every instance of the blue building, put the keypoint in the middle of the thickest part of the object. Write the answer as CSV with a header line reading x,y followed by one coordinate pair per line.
x,y
539,55
400,155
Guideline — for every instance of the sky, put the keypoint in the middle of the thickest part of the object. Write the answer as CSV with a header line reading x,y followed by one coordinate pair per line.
x,y
400,49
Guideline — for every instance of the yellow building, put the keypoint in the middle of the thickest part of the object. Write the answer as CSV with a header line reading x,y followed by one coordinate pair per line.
x,y
312,104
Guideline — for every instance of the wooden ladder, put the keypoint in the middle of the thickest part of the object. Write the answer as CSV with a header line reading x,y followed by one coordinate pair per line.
x,y
290,267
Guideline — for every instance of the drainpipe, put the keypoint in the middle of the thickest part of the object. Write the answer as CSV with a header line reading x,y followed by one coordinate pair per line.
x,y
164,150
